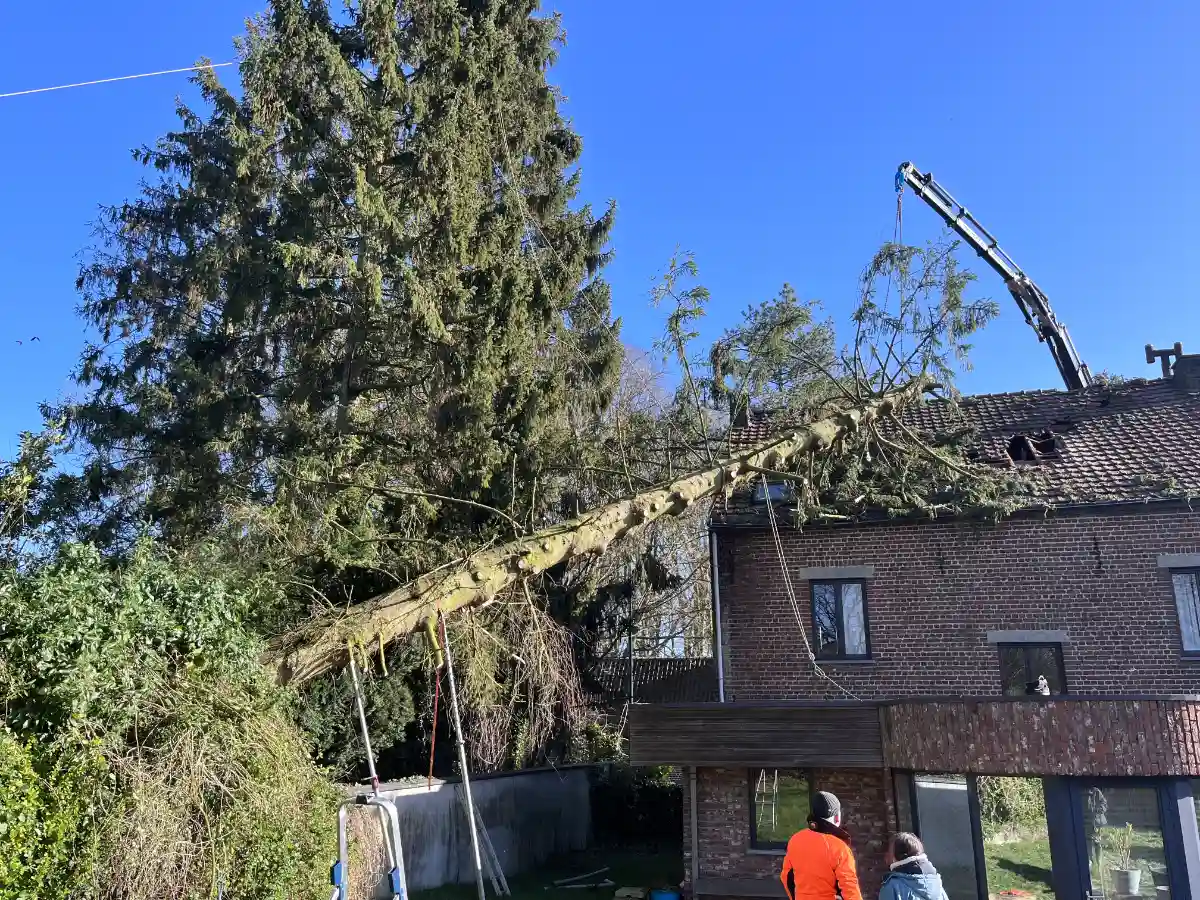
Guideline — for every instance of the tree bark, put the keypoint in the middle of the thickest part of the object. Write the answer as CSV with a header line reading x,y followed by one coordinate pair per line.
x,y
321,645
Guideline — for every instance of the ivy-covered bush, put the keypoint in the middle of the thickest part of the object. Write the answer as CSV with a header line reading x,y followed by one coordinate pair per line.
x,y
50,801
146,753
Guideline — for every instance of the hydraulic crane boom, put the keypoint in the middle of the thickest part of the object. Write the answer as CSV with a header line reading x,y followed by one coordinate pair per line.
x,y
1033,303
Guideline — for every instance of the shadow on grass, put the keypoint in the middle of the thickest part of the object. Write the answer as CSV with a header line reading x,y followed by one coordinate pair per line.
x,y
1020,866
1027,872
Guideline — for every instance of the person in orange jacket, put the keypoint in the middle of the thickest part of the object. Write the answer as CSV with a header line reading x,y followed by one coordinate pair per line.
x,y
819,864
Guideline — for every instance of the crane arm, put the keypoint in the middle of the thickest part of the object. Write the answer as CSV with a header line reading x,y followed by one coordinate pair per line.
x,y
1033,304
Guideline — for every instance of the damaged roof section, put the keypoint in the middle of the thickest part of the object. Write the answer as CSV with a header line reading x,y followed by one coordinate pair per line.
x,y
1133,442
655,680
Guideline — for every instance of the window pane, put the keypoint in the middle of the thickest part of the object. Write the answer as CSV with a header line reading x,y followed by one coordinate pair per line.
x,y
1195,782
1047,662
854,620
1123,830
825,618
780,806
1016,837
1187,598
779,491
1012,669
944,821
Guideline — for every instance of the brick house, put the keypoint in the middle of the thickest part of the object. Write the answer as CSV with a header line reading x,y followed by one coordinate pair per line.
x,y
931,636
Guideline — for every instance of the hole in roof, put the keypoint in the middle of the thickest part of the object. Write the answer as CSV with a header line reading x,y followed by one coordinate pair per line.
x,y
1029,448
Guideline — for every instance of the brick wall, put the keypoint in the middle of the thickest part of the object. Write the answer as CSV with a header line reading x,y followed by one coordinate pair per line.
x,y
938,588
1052,737
723,824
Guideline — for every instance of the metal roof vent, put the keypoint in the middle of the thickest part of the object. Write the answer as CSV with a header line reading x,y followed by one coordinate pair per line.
x,y
1184,372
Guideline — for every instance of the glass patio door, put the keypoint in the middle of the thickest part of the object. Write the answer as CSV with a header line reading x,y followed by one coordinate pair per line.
x,y
1125,841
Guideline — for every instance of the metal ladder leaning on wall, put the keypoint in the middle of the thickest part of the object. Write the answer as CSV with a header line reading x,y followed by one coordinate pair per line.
x,y
389,820
760,797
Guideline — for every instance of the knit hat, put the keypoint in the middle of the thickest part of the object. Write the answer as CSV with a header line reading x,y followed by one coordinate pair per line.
x,y
824,805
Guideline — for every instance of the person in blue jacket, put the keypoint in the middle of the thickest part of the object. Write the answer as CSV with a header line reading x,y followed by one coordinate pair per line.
x,y
911,875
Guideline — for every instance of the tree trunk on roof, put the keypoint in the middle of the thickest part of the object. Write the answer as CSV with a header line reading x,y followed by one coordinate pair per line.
x,y
321,645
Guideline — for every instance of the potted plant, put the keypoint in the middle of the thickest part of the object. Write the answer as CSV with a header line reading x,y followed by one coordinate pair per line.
x,y
1126,877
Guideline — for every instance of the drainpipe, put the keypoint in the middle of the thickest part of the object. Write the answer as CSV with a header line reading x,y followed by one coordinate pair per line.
x,y
695,830
716,598
630,639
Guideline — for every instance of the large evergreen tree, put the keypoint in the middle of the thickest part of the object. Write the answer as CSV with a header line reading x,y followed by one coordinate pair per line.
x,y
355,327
356,292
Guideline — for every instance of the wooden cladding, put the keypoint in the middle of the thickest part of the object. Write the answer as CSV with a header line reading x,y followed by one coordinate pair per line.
x,y
756,734
1063,735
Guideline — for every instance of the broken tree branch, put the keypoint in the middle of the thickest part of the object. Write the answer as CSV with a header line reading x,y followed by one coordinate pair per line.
x,y
320,645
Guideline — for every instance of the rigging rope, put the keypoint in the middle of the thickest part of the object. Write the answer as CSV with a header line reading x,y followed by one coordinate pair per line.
x,y
791,593
437,690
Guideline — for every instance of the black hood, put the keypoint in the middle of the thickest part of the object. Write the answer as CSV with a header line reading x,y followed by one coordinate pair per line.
x,y
826,827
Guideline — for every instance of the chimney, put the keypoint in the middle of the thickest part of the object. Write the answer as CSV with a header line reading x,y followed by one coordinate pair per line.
x,y
1184,372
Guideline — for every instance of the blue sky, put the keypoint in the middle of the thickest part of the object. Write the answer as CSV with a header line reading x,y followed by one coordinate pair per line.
x,y
763,137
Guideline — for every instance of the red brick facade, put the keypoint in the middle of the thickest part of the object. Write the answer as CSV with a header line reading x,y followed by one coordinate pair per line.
x,y
938,588
934,592
723,825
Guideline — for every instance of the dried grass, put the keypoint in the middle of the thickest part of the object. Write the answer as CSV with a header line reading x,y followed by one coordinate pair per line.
x,y
220,792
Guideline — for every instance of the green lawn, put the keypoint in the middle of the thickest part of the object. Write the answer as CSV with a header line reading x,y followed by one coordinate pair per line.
x,y
1019,866
627,869
791,810
1025,865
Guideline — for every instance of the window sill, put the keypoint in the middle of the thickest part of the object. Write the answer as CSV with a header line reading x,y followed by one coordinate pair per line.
x,y
1193,658
853,661
758,851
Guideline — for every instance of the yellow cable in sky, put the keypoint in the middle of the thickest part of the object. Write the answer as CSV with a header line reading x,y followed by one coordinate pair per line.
x,y
63,87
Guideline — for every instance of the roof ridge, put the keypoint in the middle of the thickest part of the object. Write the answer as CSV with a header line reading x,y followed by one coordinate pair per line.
x,y
758,416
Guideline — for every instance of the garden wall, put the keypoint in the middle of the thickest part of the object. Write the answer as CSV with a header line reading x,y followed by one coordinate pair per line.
x,y
530,817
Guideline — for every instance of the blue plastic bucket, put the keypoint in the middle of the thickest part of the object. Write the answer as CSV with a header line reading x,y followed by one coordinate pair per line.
x,y
664,895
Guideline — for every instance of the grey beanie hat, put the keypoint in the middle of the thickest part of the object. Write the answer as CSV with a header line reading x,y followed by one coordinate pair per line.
x,y
824,805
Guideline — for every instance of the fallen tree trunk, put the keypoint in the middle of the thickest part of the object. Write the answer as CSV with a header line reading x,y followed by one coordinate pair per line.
x,y
321,645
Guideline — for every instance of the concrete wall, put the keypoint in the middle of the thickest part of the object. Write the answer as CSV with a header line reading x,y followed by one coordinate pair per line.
x,y
530,816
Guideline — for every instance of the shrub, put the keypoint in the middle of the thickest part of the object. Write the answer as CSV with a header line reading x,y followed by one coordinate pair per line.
x,y
196,776
223,795
1006,804
52,800
636,807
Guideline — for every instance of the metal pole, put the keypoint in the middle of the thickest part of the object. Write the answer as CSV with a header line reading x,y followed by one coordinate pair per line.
x,y
462,758
718,649
362,724
630,638
695,816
